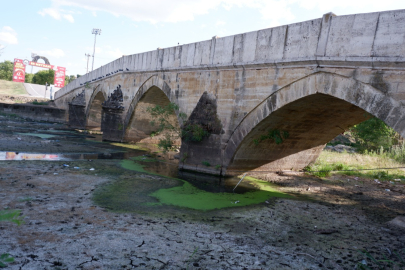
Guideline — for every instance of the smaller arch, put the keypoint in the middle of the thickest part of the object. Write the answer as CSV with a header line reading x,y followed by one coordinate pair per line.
x,y
137,127
149,83
94,109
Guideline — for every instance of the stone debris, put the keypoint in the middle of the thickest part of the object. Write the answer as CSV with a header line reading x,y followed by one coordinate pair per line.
x,y
340,148
399,222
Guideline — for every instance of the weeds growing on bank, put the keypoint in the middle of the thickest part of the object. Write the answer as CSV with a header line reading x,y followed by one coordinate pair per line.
x,y
390,260
361,165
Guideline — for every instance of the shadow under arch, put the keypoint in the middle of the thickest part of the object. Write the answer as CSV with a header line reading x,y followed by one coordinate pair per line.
x,y
313,110
94,109
137,127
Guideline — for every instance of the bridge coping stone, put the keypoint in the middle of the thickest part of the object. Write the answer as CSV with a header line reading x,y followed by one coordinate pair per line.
x,y
372,40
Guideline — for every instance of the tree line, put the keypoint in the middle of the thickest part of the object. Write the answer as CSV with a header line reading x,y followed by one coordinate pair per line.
x,y
41,77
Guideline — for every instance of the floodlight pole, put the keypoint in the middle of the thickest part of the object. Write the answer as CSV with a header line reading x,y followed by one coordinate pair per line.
x,y
87,55
95,33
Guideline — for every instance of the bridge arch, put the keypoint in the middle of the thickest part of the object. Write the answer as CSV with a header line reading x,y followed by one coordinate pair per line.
x,y
312,110
94,108
154,91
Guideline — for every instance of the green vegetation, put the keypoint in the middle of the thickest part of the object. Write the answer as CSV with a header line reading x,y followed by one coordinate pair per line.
x,y
206,163
6,70
393,261
355,164
193,133
35,102
164,119
276,135
373,134
166,122
5,259
12,88
12,216
69,79
44,76
28,77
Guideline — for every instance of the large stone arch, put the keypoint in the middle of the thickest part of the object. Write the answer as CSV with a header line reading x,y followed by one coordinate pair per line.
x,y
325,103
154,91
94,108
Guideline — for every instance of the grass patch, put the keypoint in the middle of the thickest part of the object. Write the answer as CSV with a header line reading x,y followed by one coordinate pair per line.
x,y
12,88
39,103
12,216
355,164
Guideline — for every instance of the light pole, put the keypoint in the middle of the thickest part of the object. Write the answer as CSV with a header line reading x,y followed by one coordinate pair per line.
x,y
87,55
95,33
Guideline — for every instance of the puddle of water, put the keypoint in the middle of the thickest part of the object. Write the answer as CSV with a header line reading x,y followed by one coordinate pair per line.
x,y
40,135
4,155
198,194
192,191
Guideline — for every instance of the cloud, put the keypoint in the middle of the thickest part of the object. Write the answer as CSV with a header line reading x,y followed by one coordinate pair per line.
x,y
220,23
8,35
162,11
90,49
57,53
116,53
57,14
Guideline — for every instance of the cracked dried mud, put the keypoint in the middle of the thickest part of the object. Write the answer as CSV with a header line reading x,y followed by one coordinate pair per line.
x,y
325,227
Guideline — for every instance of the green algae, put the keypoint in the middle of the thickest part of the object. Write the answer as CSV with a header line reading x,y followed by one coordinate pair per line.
x,y
131,165
191,197
152,191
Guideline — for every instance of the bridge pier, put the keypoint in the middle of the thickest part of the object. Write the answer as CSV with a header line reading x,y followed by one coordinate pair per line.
x,y
77,112
112,124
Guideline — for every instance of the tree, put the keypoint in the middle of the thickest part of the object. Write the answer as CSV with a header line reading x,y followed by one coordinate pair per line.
x,y
69,79
6,70
373,134
44,76
28,77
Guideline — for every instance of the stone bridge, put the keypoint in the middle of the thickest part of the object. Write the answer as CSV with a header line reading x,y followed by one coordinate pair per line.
x,y
308,81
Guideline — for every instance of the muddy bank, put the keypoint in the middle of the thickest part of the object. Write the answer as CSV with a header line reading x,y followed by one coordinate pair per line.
x,y
324,226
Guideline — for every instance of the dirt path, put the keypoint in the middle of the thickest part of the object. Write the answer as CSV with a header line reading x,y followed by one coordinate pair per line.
x,y
324,228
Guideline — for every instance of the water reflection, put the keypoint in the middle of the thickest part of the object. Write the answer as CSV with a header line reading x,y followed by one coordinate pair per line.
x,y
66,157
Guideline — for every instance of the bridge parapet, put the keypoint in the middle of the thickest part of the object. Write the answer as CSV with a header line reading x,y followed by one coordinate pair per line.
x,y
361,40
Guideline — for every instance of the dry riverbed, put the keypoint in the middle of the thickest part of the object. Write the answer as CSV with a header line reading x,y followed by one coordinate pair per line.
x,y
325,225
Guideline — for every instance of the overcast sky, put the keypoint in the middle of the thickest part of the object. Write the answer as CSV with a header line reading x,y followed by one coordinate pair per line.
x,y
61,29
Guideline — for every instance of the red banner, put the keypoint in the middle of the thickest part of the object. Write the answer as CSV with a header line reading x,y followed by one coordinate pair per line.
x,y
59,80
35,64
19,71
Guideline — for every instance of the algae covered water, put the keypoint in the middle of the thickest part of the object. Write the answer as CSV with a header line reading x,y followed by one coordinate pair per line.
x,y
148,189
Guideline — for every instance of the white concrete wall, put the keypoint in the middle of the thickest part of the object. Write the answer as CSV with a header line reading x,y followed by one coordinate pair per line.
x,y
372,39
